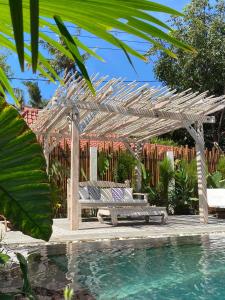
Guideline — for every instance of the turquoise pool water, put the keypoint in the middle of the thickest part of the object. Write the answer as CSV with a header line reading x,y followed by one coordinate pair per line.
x,y
176,268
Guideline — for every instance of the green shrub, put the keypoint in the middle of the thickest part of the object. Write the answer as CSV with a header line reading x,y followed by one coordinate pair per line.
x,y
185,190
221,166
215,180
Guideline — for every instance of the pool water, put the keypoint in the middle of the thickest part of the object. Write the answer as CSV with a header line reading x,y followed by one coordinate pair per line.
x,y
176,268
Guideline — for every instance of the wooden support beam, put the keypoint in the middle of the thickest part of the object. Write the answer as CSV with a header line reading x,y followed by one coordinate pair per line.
x,y
201,173
93,164
74,176
145,113
46,151
198,136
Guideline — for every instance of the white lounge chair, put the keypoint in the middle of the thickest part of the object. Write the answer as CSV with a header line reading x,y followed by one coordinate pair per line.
x,y
216,198
130,205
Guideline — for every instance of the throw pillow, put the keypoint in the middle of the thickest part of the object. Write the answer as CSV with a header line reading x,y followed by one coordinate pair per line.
x,y
117,194
94,192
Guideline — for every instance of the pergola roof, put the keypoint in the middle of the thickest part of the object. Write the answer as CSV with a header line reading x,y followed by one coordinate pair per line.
x,y
123,111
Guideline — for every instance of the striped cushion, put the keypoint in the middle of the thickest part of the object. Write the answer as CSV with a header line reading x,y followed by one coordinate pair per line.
x,y
94,192
83,193
106,195
117,194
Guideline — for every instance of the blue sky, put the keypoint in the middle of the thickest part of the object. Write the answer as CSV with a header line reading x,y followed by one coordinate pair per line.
x,y
116,64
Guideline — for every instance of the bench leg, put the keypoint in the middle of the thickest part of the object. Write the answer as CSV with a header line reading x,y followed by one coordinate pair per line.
x,y
164,218
147,219
114,218
100,218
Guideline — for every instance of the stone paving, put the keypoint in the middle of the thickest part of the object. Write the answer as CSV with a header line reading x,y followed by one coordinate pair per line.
x,y
92,231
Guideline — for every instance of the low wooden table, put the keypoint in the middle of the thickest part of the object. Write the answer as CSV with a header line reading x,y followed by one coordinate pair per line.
x,y
146,212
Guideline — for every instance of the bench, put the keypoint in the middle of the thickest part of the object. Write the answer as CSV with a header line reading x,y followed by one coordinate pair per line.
x,y
130,205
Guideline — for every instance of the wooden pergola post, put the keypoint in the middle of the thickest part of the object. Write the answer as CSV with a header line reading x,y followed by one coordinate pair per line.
x,y
46,152
198,136
74,175
201,173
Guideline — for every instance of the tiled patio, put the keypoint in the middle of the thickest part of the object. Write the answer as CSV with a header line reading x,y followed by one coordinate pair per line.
x,y
92,231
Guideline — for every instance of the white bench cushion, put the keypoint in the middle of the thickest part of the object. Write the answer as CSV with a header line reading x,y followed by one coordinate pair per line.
x,y
216,198
128,195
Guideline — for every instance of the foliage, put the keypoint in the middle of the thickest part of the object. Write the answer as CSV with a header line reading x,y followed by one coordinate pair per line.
x,y
185,186
62,64
159,195
96,17
202,27
162,141
57,172
34,92
4,65
4,258
215,180
24,188
68,293
221,166
26,289
177,189
103,163
125,167
20,98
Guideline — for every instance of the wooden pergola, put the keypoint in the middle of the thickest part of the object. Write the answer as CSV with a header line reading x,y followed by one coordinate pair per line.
x,y
124,112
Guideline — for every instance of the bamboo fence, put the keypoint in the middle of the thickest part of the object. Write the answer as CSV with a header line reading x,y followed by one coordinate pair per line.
x,y
152,154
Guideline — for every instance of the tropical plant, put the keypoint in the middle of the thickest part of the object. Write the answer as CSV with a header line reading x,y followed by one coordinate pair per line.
x,y
57,173
185,187
221,166
125,168
26,289
64,66
19,94
160,194
103,163
97,17
163,141
215,180
202,27
34,92
24,188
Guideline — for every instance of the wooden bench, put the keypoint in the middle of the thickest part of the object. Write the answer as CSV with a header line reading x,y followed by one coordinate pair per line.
x,y
135,206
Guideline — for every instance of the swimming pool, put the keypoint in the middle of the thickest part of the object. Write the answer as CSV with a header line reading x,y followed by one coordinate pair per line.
x,y
172,268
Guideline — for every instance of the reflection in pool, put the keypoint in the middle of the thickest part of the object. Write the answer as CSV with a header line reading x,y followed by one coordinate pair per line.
x,y
172,268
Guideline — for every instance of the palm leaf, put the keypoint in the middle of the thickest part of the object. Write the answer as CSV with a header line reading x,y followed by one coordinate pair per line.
x,y
24,187
34,24
69,41
16,10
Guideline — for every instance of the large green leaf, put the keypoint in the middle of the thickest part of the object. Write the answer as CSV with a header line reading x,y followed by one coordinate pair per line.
x,y
24,187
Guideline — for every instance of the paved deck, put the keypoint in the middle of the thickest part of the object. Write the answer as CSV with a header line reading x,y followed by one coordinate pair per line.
x,y
92,231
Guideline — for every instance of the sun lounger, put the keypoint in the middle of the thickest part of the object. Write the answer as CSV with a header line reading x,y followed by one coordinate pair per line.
x,y
216,202
117,200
